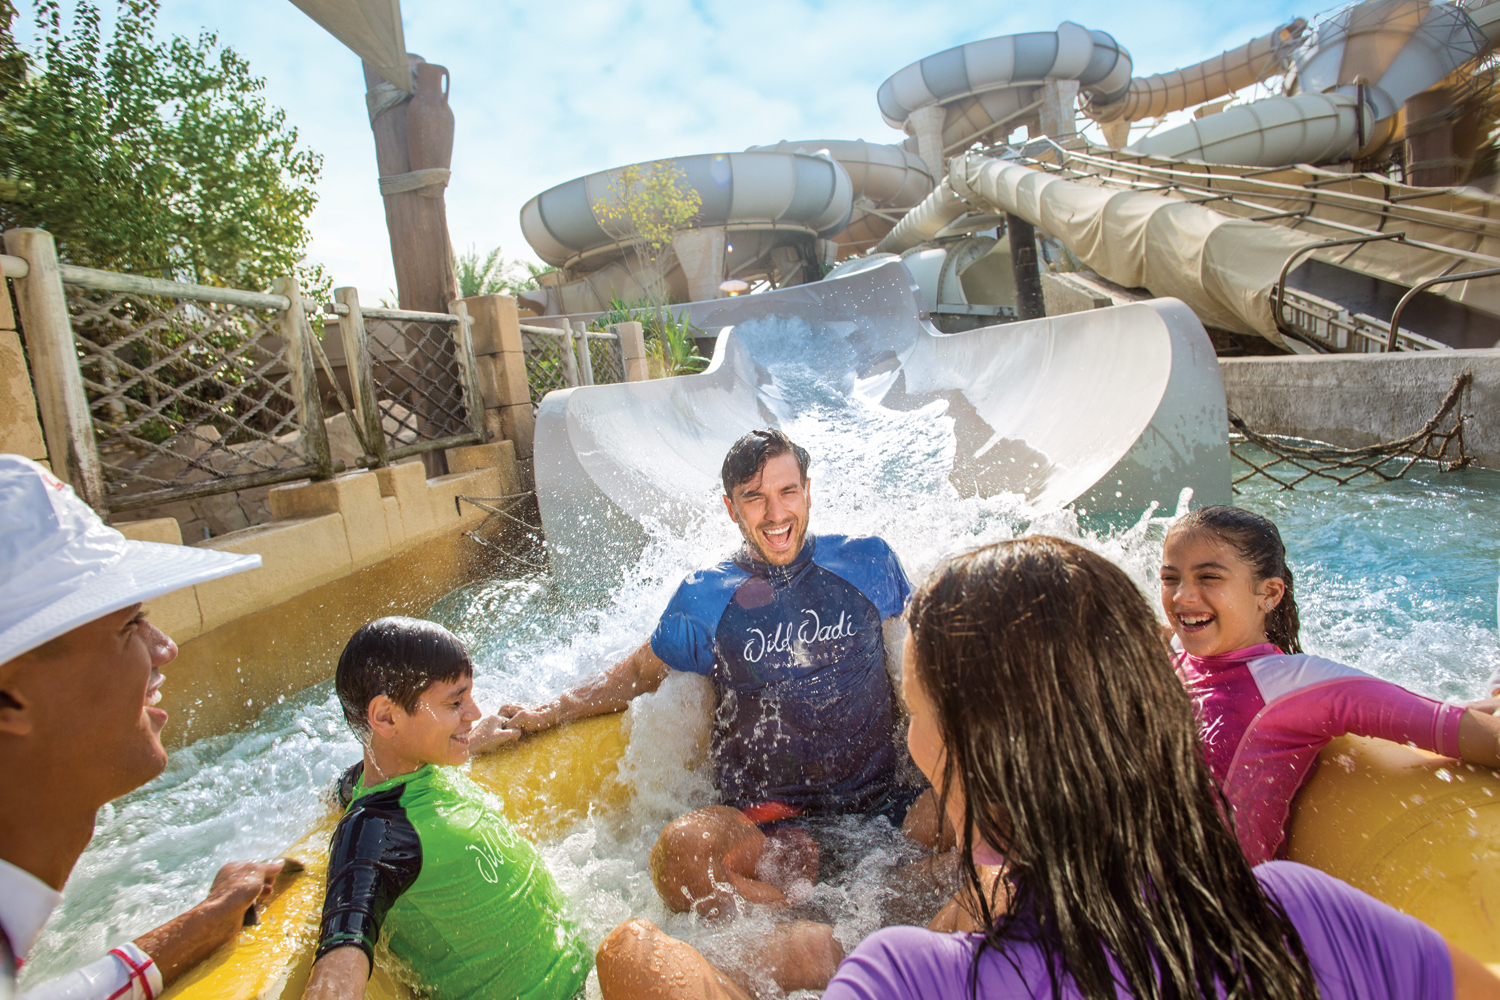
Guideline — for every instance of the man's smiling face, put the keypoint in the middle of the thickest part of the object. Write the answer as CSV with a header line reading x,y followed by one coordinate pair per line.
x,y
772,509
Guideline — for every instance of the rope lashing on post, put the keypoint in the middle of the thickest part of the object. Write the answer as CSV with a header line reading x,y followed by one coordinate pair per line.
x,y
1341,465
416,180
487,504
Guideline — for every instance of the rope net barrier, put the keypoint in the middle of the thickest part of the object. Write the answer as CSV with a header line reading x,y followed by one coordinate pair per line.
x,y
1292,463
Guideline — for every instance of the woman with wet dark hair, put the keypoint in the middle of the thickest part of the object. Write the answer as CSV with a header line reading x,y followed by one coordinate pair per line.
x,y
1048,717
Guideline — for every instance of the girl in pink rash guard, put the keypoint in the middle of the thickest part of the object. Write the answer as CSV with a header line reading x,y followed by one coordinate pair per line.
x,y
1265,707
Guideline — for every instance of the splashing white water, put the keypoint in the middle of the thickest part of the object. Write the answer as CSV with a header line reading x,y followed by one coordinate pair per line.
x,y
875,471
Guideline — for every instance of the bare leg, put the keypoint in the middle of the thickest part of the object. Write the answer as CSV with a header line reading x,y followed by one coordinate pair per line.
x,y
704,859
637,961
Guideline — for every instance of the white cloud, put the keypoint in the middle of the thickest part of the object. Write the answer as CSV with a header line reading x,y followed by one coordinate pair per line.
x,y
545,92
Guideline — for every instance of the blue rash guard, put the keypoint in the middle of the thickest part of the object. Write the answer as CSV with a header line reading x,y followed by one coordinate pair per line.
x,y
797,657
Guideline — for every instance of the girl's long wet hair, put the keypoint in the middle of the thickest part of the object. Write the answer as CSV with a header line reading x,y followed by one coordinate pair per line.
x,y
1258,542
1076,750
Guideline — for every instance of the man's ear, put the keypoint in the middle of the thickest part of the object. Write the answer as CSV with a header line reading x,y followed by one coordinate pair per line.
x,y
729,506
382,715
15,714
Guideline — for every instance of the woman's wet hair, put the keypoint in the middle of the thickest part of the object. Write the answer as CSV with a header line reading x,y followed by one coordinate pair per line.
x,y
1076,749
1258,542
399,658
749,455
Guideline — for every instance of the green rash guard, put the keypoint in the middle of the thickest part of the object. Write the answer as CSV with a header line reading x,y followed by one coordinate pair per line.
x,y
467,902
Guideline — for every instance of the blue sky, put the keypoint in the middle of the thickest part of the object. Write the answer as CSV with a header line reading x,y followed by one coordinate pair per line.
x,y
544,92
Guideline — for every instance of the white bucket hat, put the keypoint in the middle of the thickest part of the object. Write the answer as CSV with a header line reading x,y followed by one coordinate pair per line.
x,y
62,567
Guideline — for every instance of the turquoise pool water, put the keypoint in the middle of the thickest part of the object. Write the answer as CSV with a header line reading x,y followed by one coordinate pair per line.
x,y
1399,579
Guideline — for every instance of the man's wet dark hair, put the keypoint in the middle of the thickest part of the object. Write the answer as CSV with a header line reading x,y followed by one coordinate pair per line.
x,y
749,455
399,658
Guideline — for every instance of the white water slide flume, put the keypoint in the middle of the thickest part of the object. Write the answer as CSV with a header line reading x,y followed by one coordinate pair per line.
x,y
1112,409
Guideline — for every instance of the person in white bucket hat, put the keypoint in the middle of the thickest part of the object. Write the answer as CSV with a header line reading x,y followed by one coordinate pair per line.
x,y
79,682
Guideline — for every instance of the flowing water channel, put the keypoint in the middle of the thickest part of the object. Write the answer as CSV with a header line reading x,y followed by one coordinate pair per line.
x,y
1398,579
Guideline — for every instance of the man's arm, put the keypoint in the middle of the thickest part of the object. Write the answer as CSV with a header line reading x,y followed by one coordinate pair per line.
x,y
639,673
156,958
339,975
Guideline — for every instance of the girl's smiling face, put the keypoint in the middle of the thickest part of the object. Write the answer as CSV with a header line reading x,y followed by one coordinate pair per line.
x,y
1211,597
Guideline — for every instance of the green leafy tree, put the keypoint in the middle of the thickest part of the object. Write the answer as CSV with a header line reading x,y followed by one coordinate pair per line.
x,y
494,274
158,158
651,202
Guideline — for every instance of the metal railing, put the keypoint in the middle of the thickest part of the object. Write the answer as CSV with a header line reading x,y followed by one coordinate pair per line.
x,y
560,357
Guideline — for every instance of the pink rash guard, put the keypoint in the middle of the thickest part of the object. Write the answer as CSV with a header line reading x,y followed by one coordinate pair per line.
x,y
1265,716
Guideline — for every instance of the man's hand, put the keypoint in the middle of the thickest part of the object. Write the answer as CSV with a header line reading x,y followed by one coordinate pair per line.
x,y
185,940
529,720
492,732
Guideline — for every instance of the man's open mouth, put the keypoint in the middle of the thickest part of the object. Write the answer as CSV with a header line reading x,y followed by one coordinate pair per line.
x,y
778,538
153,690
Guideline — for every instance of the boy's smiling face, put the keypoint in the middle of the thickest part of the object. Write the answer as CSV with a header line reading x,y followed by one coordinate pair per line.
x,y
436,731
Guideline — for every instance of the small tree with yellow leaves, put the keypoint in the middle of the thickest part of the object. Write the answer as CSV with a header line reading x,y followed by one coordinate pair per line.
x,y
650,203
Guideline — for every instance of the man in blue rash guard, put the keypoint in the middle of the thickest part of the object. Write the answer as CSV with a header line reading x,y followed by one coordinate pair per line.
x,y
791,630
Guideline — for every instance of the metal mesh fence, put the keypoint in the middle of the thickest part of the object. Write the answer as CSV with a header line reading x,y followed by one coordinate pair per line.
x,y
545,363
418,384
609,363
184,392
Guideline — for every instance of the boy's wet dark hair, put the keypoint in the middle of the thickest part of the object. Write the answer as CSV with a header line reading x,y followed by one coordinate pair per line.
x,y
749,455
399,658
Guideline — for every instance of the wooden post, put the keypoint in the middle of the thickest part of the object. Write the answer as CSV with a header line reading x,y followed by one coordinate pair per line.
x,y
585,356
463,347
569,356
632,350
67,424
296,334
361,373
416,218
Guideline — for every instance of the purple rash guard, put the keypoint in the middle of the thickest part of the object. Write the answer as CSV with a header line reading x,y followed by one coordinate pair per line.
x,y
1360,949
797,657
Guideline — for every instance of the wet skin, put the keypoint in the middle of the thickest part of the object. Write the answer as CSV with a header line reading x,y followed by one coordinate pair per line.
x,y
1211,597
772,510
436,731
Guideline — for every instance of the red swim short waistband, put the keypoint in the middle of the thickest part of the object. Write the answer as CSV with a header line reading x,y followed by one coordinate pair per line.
x,y
770,812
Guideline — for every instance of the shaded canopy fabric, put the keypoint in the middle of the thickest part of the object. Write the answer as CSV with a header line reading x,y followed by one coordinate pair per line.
x,y
371,28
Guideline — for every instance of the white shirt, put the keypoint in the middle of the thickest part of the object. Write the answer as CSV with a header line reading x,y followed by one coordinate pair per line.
x,y
126,973
25,904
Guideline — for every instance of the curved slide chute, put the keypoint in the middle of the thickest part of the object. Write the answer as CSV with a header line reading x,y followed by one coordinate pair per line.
x,y
886,179
610,457
1235,69
775,203
1346,91
995,83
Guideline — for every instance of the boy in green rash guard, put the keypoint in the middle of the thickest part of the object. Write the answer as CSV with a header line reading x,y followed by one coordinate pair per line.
x,y
466,901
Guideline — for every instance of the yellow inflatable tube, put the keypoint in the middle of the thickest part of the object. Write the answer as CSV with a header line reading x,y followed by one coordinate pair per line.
x,y
1419,831
546,782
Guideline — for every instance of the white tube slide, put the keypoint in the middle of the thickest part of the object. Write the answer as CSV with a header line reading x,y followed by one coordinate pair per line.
x,y
981,84
1232,70
1223,268
1397,48
1307,128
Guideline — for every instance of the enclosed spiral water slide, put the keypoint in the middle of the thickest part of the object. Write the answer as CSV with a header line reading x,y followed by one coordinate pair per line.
x,y
762,213
1346,90
887,180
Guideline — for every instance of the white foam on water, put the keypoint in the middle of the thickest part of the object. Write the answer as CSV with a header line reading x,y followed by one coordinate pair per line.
x,y
875,471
